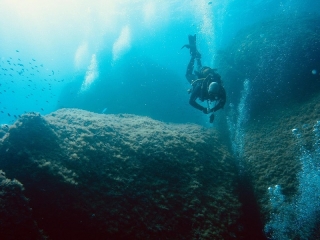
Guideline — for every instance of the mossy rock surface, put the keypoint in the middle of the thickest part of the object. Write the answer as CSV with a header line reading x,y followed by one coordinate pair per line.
x,y
89,175
279,56
272,152
280,59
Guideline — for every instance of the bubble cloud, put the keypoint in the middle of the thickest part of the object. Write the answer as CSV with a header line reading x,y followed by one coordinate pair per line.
x,y
122,44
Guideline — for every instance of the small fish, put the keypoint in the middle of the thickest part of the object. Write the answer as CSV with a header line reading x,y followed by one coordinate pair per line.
x,y
15,116
17,50
209,3
33,59
9,115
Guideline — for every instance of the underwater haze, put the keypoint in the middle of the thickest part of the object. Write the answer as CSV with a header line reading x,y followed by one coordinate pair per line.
x,y
116,56
125,57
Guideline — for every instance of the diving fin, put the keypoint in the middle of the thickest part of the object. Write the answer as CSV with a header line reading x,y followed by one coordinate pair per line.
x,y
192,46
192,40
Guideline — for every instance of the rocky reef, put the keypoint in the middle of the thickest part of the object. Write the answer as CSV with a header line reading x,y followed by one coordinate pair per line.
x,y
74,174
276,147
280,58
4,128
281,63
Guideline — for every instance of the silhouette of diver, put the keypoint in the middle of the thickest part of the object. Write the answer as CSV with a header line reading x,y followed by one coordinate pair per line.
x,y
206,82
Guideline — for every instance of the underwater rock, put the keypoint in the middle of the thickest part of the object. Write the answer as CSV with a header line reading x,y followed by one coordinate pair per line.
x,y
272,154
16,219
280,57
90,175
4,128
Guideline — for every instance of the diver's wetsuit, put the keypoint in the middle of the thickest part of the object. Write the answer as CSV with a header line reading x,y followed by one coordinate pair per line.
x,y
189,73
202,92
200,87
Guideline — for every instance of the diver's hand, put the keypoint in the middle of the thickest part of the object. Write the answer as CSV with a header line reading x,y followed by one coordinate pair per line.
x,y
205,110
211,118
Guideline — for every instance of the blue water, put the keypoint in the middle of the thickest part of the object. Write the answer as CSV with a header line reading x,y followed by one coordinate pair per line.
x,y
125,57
132,47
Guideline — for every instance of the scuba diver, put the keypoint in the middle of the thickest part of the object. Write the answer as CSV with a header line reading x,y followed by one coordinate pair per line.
x,y
206,83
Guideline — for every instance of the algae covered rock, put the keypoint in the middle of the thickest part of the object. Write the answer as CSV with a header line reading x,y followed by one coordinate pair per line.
x,y
3,129
280,57
278,61
16,219
281,155
89,175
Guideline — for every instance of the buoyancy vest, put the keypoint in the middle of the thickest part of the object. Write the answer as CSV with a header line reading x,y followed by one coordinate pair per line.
x,y
206,76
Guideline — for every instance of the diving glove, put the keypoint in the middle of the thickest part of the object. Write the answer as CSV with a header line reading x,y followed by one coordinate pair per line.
x,y
211,118
206,110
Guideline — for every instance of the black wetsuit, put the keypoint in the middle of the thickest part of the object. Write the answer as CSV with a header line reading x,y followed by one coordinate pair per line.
x,y
200,90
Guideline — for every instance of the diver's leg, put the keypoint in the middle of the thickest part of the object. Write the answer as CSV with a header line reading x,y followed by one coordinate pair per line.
x,y
199,64
194,55
194,52
189,74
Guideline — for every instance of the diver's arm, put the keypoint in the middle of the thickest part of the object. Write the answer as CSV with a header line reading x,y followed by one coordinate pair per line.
x,y
194,95
222,100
